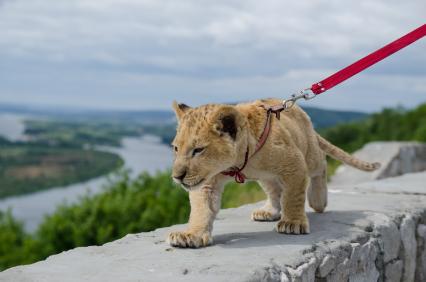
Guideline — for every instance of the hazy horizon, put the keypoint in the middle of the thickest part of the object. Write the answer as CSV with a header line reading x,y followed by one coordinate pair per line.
x,y
74,108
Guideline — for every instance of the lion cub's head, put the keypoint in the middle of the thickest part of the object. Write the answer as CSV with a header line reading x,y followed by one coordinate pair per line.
x,y
208,141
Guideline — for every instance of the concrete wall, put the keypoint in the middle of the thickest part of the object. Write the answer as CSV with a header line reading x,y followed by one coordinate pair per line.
x,y
394,251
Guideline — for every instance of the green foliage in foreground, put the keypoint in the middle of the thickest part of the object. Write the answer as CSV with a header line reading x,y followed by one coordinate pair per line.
x,y
236,194
28,168
126,206
12,241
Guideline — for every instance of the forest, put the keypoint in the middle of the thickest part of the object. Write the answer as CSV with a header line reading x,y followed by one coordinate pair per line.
x,y
390,124
152,201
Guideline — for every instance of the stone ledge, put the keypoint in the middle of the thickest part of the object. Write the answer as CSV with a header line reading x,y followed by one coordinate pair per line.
x,y
365,235
396,158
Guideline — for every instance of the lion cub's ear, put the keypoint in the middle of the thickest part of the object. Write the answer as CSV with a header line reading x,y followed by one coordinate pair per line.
x,y
180,109
227,121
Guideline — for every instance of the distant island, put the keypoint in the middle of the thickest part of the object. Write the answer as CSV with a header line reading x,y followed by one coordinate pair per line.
x,y
27,168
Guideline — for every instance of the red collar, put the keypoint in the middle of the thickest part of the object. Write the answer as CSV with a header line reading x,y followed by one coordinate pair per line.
x,y
235,171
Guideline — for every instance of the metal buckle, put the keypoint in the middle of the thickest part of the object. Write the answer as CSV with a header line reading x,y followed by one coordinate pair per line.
x,y
306,94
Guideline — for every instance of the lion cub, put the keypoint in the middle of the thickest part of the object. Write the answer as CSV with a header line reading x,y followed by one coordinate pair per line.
x,y
213,138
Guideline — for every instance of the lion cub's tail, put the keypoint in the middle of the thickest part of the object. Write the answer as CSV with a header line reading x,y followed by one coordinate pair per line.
x,y
338,154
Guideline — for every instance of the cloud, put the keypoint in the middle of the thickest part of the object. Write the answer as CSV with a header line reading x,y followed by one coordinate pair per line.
x,y
224,50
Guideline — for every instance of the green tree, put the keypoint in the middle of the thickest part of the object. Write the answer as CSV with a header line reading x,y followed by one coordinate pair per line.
x,y
12,241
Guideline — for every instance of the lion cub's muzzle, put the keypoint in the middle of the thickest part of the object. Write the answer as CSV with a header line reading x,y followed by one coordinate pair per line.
x,y
188,184
179,177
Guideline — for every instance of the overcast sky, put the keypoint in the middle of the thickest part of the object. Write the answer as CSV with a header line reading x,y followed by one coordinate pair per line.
x,y
134,54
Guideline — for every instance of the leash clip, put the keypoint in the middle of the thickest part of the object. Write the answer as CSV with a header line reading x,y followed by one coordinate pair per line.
x,y
306,94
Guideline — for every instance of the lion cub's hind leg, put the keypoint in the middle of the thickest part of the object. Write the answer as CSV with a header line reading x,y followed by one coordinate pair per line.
x,y
317,190
272,208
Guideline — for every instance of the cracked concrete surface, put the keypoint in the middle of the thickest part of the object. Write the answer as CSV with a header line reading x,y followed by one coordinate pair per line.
x,y
358,238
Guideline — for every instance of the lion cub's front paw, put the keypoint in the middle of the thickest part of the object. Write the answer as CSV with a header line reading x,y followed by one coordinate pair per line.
x,y
264,215
298,226
189,240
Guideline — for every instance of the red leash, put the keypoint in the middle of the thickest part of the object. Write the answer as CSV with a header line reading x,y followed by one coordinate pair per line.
x,y
368,61
324,85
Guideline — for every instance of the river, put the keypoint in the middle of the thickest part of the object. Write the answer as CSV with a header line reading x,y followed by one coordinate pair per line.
x,y
139,154
11,126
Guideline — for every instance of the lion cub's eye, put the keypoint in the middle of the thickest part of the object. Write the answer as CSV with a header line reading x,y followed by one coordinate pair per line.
x,y
197,151
175,148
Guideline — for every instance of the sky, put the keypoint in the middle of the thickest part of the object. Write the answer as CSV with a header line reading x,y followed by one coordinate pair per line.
x,y
143,54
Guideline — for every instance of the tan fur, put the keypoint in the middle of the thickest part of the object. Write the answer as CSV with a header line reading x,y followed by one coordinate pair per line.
x,y
291,162
344,157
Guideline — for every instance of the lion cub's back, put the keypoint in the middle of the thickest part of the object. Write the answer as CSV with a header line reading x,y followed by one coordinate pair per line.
x,y
298,125
295,116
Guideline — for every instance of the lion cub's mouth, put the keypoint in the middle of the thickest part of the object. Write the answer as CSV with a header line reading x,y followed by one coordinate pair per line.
x,y
194,185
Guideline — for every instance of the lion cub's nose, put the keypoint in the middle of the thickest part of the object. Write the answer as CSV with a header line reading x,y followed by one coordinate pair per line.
x,y
180,177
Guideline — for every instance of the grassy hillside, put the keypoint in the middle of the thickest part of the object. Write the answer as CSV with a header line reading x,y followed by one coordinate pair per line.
x,y
322,118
